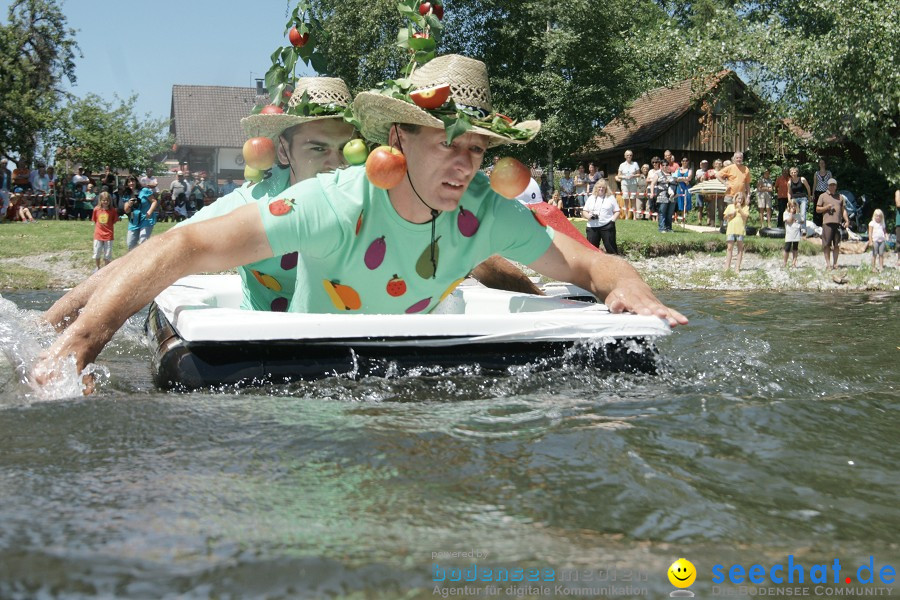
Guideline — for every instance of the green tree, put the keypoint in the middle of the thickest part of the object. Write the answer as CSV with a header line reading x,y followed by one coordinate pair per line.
x,y
37,51
96,133
832,66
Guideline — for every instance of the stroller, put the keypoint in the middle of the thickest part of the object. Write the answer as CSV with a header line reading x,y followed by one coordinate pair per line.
x,y
855,209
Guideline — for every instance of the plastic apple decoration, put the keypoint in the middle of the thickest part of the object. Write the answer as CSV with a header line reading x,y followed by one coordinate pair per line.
x,y
296,38
437,9
430,98
420,36
251,174
259,153
385,167
271,109
510,177
355,152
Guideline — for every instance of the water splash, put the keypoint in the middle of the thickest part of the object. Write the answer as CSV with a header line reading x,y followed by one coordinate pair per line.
x,y
23,338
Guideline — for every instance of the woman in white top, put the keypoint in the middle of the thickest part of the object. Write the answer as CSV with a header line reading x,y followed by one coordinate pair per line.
x,y
601,211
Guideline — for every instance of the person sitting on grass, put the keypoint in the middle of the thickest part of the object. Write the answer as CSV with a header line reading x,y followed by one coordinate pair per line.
x,y
736,215
20,208
791,232
434,226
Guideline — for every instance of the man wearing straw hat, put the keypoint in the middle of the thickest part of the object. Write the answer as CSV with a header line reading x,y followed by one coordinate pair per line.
x,y
431,229
305,146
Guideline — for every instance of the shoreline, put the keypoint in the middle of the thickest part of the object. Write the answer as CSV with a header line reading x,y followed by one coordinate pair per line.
x,y
689,271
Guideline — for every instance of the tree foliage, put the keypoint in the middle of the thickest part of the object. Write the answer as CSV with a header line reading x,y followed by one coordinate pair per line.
x,y
833,67
95,133
37,51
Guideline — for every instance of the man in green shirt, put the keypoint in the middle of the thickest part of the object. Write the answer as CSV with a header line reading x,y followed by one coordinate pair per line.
x,y
434,227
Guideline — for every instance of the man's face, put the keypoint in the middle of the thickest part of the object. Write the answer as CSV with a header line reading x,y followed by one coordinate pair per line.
x,y
738,159
315,147
668,155
628,156
441,173
566,174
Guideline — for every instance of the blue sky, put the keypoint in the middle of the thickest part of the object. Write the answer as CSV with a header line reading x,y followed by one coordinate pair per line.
x,y
145,47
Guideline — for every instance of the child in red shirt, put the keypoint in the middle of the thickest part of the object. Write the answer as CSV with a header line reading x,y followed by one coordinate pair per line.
x,y
104,218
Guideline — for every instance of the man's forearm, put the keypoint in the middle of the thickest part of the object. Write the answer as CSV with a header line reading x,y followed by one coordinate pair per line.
x,y
498,273
65,310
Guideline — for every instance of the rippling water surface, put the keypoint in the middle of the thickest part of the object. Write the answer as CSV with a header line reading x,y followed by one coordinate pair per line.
x,y
771,430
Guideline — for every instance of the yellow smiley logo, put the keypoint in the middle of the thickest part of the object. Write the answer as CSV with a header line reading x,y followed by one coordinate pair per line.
x,y
682,573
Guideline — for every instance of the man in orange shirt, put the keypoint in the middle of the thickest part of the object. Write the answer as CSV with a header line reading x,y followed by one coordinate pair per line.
x,y
737,177
781,193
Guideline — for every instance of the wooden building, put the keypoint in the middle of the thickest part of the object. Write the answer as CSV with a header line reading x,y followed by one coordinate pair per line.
x,y
673,118
206,125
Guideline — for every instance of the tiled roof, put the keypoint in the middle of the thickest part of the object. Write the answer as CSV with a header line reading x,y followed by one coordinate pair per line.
x,y
649,116
208,115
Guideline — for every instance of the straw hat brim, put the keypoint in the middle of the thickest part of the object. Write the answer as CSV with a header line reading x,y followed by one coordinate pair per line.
x,y
377,112
271,126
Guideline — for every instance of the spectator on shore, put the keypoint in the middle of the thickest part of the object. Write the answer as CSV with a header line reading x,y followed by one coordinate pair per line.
x,y
819,187
149,180
40,181
601,211
567,193
670,164
180,210
736,215
19,205
79,184
764,189
546,188
179,186
108,179
782,186
791,233
699,177
833,208
5,181
798,190
592,178
641,197
627,176
580,185
877,239
737,177
141,211
556,200
897,224
104,217
493,164
166,206
683,179
663,194
715,205
229,186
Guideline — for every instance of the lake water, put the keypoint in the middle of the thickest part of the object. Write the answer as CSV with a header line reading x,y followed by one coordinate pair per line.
x,y
772,430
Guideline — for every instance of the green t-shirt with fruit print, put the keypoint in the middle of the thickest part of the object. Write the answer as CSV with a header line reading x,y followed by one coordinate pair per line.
x,y
268,284
358,255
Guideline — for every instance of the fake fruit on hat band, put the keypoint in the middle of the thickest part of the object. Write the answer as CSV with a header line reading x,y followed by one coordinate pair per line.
x,y
437,9
355,152
343,297
296,38
271,109
432,97
385,167
259,153
251,174
509,178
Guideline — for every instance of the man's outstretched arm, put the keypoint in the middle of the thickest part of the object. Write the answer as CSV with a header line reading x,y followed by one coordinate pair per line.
x,y
215,245
65,310
606,276
498,273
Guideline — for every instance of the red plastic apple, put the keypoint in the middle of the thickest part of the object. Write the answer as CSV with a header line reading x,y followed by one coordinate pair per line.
x,y
385,167
271,109
433,97
436,8
510,177
259,153
296,38
420,36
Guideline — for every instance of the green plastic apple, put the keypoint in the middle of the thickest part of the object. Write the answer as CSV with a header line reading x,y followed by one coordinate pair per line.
x,y
355,151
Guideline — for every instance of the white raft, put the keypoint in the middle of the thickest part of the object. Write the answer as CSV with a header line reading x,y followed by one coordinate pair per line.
x,y
203,339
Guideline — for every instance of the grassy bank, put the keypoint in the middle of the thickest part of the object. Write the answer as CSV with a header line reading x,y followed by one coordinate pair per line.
x,y
52,254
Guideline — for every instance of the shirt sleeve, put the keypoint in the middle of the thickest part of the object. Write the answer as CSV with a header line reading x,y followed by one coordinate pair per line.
x,y
516,234
302,219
